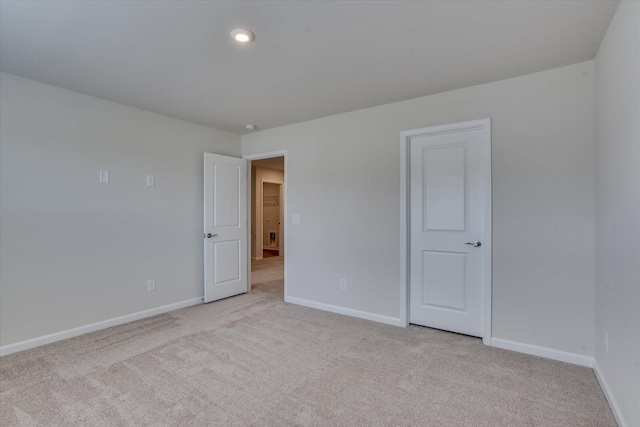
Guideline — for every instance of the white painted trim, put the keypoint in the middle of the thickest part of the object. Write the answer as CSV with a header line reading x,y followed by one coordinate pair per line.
x,y
395,321
404,231
268,155
546,352
488,224
607,393
250,202
405,137
92,327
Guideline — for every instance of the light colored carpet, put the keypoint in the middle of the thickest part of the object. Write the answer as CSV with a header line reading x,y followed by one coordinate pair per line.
x,y
254,360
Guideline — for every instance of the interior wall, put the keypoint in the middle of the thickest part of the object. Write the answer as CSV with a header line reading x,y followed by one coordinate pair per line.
x,y
344,182
75,251
258,175
618,210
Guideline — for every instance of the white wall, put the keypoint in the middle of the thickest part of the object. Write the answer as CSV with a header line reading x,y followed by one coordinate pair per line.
x,y
74,251
618,209
344,181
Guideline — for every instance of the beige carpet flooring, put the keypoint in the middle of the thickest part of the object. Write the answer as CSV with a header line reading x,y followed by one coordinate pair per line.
x,y
254,360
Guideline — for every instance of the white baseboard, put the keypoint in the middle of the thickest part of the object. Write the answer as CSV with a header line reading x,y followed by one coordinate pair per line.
x,y
607,393
549,353
346,311
69,333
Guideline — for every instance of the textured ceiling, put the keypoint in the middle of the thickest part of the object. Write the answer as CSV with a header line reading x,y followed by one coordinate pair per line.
x,y
309,59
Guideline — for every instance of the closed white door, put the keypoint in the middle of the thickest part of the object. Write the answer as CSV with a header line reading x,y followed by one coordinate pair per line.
x,y
448,193
225,227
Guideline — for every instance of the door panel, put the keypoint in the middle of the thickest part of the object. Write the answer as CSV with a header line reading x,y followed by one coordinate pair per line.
x,y
444,188
225,227
226,181
227,260
447,211
439,268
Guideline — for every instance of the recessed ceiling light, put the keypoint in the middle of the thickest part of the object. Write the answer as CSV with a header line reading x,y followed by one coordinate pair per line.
x,y
242,36
250,127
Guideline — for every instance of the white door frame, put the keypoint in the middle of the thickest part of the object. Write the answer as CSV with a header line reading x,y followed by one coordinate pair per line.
x,y
405,139
285,241
280,213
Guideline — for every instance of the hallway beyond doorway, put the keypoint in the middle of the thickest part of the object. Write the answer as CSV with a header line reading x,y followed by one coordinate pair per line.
x,y
267,271
268,253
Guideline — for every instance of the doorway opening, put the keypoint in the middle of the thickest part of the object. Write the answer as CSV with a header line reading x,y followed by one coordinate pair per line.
x,y
271,218
267,224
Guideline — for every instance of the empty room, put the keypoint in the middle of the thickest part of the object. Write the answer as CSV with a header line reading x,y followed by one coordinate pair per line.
x,y
320,213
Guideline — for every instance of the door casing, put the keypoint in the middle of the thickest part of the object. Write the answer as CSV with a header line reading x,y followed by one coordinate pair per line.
x,y
405,232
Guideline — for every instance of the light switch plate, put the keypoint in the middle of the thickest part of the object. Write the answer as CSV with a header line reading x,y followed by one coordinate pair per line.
x,y
151,181
104,176
295,219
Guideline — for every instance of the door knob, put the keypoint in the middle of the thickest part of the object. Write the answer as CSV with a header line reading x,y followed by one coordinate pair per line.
x,y
209,235
474,244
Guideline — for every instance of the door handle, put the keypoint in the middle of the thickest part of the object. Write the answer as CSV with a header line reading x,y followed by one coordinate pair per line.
x,y
209,235
474,244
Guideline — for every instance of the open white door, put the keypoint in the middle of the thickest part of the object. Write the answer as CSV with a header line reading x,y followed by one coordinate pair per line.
x,y
450,249
225,227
